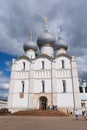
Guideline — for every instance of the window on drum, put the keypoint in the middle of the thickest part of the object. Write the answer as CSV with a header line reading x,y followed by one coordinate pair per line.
x,y
42,64
23,65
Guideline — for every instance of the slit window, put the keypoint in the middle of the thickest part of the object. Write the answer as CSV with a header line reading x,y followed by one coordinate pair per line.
x,y
22,86
64,86
63,64
86,89
42,64
43,86
23,65
80,89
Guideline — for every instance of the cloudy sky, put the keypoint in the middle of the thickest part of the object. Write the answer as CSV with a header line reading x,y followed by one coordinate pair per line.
x,y
18,17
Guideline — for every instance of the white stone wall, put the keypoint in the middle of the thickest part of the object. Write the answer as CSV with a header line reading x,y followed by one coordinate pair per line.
x,y
68,86
75,82
17,76
30,53
18,86
20,102
38,64
19,65
59,62
48,50
65,100
60,51
33,75
38,86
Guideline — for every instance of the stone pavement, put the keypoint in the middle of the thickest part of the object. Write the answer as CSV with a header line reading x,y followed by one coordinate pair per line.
x,y
41,123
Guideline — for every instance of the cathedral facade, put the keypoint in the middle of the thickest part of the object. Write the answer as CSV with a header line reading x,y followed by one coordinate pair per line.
x,y
47,79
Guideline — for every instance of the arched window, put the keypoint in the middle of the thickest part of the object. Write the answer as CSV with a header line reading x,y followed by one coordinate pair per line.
x,y
63,64
43,86
23,65
64,86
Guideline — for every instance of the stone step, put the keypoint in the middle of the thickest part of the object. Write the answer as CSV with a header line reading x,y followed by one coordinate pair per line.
x,y
39,113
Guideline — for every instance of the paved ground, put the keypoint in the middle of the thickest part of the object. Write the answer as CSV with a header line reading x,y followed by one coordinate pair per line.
x,y
41,123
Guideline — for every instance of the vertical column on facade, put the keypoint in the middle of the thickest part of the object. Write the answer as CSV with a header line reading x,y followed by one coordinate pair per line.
x,y
75,84
54,83
12,82
31,85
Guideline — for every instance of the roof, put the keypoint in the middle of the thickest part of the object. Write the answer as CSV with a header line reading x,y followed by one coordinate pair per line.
x,y
43,56
65,55
23,57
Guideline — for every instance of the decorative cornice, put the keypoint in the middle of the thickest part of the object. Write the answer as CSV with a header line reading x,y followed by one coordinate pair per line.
x,y
23,57
63,54
43,56
48,44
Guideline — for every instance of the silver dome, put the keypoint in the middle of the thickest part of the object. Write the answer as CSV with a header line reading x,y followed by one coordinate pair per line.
x,y
30,45
45,38
60,43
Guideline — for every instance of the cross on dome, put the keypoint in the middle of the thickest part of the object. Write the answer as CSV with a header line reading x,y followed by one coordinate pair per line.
x,y
46,24
59,30
30,34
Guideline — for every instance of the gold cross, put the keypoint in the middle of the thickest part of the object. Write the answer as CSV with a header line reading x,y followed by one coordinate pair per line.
x,y
30,34
46,19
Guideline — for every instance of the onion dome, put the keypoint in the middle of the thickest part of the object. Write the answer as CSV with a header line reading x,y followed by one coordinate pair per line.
x,y
46,37
30,44
60,43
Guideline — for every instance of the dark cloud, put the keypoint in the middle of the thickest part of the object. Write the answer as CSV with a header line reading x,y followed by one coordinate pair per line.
x,y
19,16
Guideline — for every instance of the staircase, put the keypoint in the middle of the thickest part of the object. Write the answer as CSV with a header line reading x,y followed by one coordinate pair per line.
x,y
39,113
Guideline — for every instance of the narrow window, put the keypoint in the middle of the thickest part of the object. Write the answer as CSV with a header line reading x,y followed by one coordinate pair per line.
x,y
23,65
64,86
21,94
22,86
63,64
42,64
83,104
43,86
80,89
86,89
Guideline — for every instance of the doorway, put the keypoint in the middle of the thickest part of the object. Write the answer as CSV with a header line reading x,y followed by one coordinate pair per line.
x,y
43,103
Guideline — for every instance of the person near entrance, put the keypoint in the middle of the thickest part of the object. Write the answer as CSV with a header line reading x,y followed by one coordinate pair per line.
x,y
76,114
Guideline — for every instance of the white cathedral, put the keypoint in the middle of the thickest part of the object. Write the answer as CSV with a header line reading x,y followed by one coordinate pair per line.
x,y
47,79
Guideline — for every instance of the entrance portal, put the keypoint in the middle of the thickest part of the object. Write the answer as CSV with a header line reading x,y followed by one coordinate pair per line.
x,y
43,103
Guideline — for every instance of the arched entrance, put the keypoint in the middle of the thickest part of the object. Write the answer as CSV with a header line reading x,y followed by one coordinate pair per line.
x,y
43,103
